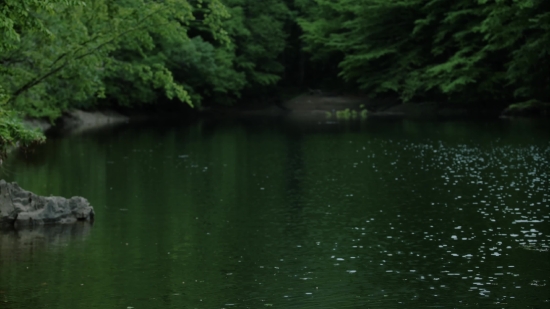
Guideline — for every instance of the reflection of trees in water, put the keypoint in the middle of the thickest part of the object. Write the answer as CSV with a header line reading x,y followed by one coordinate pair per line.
x,y
294,170
18,244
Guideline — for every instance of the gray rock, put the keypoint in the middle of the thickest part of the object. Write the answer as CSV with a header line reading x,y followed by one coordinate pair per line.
x,y
40,124
19,207
77,121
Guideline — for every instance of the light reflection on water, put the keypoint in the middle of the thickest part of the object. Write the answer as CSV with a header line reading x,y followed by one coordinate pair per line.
x,y
249,216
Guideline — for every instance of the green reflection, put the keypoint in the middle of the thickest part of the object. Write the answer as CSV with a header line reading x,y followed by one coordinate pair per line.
x,y
295,216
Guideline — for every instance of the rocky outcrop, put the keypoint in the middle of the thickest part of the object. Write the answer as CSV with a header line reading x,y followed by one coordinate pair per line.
x,y
19,207
77,121
323,102
38,124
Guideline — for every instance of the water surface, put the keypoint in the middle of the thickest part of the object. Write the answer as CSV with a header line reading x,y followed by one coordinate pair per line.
x,y
234,214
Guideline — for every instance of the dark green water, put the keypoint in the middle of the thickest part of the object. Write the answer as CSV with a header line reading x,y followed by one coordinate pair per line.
x,y
252,215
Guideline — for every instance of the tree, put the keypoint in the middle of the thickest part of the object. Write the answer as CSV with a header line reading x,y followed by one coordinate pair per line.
x,y
443,50
97,51
16,17
257,30
63,54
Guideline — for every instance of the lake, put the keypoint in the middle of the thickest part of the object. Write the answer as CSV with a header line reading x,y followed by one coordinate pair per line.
x,y
260,214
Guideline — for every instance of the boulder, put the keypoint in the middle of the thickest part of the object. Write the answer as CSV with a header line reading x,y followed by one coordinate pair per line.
x,y
19,207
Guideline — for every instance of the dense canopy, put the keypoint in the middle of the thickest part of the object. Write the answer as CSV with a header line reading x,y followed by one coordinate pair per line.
x,y
61,54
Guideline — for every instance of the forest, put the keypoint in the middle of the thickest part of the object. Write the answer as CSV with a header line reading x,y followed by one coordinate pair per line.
x,y
57,55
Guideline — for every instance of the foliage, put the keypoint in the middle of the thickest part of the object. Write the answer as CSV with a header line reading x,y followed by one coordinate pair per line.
x,y
96,50
61,54
13,132
258,32
64,54
449,50
17,16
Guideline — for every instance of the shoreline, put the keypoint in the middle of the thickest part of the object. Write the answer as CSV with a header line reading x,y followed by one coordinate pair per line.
x,y
316,106
77,121
305,107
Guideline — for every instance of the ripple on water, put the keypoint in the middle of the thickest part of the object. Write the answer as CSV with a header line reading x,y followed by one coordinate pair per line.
x,y
498,212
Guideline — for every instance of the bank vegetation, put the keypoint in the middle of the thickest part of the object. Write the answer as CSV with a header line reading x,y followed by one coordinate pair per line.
x,y
57,55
